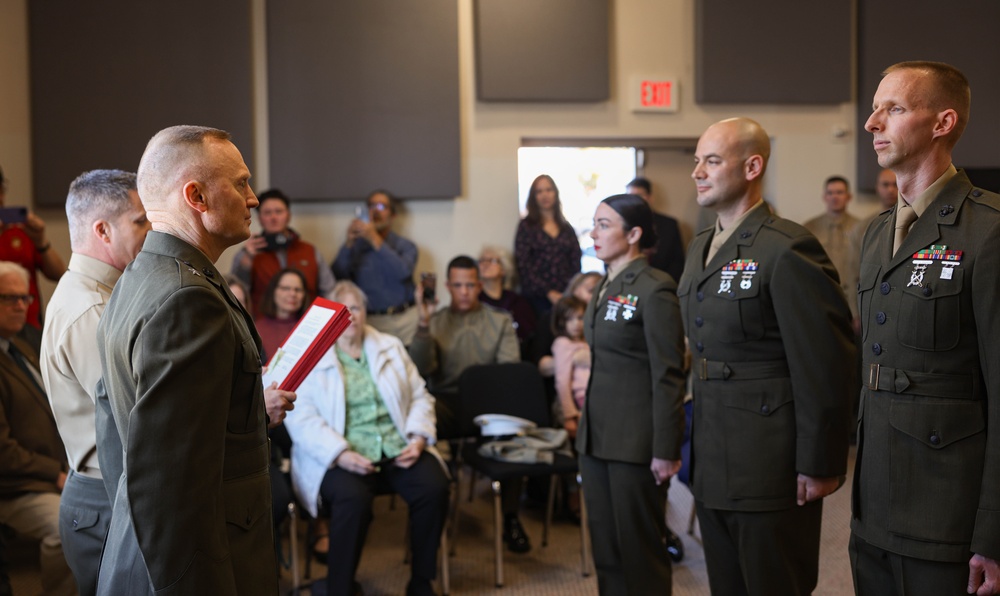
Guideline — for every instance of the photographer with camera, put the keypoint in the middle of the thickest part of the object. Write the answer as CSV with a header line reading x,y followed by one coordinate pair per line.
x,y
381,263
278,247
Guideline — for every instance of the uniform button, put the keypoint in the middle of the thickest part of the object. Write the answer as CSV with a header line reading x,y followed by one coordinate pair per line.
x,y
700,346
935,440
700,296
698,321
885,287
876,349
765,409
927,292
76,523
208,273
880,318
977,193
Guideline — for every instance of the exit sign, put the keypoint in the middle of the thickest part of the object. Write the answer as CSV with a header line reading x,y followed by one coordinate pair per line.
x,y
654,94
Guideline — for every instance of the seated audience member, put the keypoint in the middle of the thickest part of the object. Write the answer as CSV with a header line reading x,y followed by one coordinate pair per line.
x,y
496,268
668,254
285,300
26,244
365,423
452,339
581,287
33,462
278,247
107,226
381,262
239,290
571,356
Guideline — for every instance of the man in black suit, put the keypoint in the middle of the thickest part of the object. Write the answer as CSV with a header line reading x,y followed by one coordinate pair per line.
x,y
668,254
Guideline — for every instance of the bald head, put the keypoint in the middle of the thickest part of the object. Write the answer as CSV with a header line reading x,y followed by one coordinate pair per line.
x,y
173,156
747,137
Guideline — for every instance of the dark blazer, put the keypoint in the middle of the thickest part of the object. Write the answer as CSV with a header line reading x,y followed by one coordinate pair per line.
x,y
181,364
634,407
668,255
773,364
927,481
31,453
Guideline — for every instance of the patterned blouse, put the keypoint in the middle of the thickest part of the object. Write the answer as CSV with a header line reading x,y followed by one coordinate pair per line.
x,y
543,262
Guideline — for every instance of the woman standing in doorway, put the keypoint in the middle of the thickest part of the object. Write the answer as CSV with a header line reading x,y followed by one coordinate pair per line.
x,y
632,424
546,250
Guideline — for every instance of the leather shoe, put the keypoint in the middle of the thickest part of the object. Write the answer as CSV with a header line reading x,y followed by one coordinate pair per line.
x,y
515,536
675,548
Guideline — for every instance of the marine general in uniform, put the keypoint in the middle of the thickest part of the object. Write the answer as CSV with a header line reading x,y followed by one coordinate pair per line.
x,y
181,365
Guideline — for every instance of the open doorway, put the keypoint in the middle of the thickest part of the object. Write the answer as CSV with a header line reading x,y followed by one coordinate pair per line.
x,y
586,171
584,176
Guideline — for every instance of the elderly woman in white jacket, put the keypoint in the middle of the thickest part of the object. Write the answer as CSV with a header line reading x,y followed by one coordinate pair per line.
x,y
364,422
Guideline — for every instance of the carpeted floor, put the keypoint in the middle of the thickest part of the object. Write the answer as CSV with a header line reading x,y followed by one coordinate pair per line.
x,y
548,570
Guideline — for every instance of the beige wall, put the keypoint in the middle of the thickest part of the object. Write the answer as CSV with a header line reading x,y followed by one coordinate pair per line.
x,y
648,36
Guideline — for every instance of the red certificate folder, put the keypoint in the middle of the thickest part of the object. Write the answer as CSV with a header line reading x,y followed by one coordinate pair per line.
x,y
305,345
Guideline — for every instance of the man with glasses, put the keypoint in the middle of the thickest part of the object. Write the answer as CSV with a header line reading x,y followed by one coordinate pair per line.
x,y
381,263
32,457
278,247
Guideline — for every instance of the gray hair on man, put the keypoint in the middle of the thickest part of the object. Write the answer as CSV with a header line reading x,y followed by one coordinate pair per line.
x,y
8,268
94,195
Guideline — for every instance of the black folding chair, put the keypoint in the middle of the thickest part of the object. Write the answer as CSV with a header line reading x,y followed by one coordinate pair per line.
x,y
515,389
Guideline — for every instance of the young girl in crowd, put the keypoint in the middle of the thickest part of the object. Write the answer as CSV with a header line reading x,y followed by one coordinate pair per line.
x,y
571,356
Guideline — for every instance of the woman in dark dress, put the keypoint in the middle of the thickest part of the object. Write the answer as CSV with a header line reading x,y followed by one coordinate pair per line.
x,y
546,250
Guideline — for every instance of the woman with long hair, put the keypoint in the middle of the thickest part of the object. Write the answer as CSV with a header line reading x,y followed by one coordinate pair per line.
x,y
546,250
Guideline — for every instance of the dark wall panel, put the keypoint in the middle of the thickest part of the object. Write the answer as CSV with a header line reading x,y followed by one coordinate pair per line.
x,y
781,51
362,95
542,50
967,40
106,75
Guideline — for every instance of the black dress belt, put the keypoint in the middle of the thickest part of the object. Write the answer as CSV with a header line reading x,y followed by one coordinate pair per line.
x,y
393,310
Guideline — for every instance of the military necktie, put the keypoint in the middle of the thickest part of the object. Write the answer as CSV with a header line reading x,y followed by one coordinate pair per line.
x,y
905,216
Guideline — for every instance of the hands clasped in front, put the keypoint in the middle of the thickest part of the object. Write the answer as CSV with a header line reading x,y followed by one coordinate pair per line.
x,y
355,463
